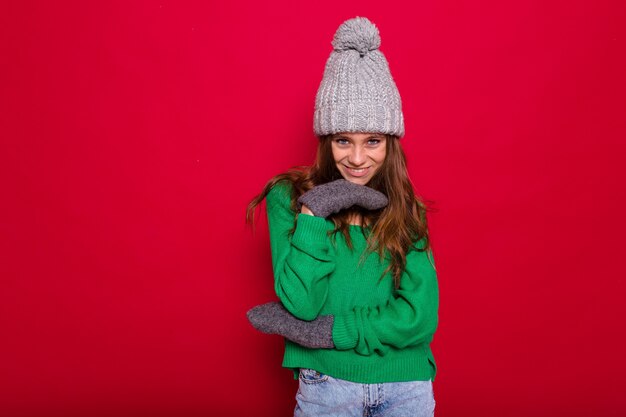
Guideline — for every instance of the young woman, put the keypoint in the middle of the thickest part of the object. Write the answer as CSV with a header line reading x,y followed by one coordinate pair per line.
x,y
351,256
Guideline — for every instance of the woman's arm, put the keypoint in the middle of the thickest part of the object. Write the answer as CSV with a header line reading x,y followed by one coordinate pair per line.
x,y
409,318
302,264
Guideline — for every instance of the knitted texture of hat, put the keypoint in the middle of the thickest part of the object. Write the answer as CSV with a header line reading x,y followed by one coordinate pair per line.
x,y
357,92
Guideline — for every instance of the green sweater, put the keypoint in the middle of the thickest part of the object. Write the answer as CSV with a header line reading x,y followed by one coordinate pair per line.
x,y
380,334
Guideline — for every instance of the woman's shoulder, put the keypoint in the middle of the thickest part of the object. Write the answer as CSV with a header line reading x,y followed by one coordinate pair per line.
x,y
280,193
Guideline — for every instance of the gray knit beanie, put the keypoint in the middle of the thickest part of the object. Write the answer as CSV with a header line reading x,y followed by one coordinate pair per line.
x,y
357,92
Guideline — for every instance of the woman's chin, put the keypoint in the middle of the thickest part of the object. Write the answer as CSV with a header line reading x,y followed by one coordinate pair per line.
x,y
359,181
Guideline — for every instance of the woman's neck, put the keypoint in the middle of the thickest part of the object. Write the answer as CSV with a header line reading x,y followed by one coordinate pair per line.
x,y
355,219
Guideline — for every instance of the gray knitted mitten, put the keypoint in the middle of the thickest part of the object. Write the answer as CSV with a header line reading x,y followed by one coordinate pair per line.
x,y
273,318
334,196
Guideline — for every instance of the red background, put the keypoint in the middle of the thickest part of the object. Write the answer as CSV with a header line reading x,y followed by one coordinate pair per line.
x,y
134,135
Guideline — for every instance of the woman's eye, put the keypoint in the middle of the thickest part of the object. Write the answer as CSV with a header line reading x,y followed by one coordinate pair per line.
x,y
374,141
341,141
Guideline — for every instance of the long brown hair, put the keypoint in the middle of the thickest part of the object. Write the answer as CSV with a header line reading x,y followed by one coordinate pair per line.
x,y
394,229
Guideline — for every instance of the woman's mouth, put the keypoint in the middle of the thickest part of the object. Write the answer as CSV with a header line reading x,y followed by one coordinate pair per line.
x,y
357,172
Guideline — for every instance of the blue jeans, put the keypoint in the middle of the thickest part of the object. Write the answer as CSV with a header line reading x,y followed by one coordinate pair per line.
x,y
322,395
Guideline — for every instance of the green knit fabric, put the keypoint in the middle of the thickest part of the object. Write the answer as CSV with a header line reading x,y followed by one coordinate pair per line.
x,y
380,334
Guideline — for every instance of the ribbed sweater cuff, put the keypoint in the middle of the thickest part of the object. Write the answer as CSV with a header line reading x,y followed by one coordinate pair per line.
x,y
310,228
344,332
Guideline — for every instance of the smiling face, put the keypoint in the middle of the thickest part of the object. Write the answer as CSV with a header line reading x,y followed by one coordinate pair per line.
x,y
359,155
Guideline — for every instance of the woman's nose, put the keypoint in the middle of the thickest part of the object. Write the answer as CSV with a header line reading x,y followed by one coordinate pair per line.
x,y
357,156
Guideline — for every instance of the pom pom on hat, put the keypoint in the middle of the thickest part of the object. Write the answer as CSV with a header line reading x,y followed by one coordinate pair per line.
x,y
358,33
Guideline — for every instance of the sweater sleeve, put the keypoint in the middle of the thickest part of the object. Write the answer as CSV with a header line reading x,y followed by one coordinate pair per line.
x,y
409,318
303,263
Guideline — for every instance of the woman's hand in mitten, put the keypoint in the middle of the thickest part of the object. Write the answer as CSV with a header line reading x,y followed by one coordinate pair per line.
x,y
332,197
273,318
